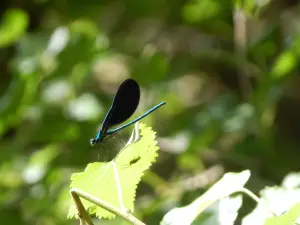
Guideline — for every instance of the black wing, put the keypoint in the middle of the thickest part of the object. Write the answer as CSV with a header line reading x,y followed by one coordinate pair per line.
x,y
124,105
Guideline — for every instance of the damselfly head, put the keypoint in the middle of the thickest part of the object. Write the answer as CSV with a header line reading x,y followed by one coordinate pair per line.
x,y
93,141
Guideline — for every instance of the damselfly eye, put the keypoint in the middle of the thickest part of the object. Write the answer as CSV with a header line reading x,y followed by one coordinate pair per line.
x,y
92,142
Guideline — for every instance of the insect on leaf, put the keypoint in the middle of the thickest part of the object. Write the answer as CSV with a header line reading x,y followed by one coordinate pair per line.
x,y
116,181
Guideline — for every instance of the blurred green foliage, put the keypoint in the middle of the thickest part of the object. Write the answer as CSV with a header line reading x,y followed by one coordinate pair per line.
x,y
227,69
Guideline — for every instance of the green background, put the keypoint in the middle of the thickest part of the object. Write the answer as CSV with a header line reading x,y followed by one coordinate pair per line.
x,y
228,71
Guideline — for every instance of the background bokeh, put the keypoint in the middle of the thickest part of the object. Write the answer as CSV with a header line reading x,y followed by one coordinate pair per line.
x,y
228,71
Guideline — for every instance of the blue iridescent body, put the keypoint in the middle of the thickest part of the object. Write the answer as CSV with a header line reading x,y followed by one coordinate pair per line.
x,y
124,105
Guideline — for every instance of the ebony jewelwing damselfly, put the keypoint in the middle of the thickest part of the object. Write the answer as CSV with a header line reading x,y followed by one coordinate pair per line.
x,y
124,105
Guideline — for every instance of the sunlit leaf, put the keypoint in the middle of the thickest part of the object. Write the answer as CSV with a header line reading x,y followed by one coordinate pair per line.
x,y
274,201
229,184
223,212
288,218
102,181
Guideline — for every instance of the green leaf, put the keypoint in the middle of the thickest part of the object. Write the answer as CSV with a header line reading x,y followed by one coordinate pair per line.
x,y
275,200
288,218
13,26
284,64
229,184
223,212
116,181
85,27
201,10
16,100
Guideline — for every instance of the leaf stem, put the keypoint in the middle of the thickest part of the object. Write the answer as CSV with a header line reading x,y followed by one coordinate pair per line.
x,y
250,194
81,211
257,199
